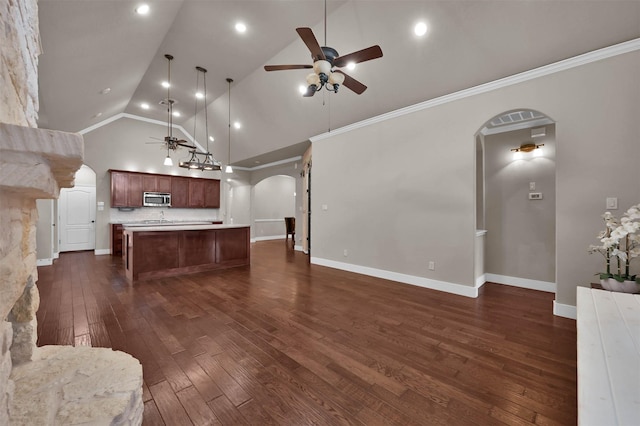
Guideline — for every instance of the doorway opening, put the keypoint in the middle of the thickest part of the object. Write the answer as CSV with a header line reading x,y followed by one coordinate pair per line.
x,y
515,200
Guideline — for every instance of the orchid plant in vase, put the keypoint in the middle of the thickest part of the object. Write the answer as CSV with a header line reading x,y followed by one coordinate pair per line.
x,y
620,245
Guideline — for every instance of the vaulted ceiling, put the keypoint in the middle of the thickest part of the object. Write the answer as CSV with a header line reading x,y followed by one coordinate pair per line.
x,y
89,46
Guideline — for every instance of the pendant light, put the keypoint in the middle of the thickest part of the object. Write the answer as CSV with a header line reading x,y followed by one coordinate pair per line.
x,y
229,169
201,160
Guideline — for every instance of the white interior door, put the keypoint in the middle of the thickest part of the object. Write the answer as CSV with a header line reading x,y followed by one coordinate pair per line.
x,y
77,213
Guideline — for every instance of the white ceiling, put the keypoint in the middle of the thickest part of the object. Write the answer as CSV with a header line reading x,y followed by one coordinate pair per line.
x,y
92,45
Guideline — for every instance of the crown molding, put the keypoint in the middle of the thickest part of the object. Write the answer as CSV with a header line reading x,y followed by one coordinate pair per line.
x,y
144,119
576,61
267,165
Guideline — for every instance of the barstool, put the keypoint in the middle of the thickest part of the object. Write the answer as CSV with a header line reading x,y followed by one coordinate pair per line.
x,y
290,223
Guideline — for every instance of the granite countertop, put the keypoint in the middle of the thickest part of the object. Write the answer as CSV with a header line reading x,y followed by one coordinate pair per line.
x,y
178,227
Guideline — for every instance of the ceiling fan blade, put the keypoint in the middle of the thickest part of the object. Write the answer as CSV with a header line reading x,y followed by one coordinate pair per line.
x,y
285,67
353,84
306,34
367,54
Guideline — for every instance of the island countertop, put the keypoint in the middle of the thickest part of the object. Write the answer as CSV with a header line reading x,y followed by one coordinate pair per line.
x,y
178,227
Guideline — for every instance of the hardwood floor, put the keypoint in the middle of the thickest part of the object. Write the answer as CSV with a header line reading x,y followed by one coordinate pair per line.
x,y
287,343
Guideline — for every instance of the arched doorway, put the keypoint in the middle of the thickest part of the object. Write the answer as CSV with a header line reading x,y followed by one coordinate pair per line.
x,y
274,198
515,197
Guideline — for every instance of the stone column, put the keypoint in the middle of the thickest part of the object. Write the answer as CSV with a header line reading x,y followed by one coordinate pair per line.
x,y
34,164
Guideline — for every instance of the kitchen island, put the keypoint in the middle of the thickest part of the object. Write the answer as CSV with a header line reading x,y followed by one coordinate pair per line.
x,y
168,250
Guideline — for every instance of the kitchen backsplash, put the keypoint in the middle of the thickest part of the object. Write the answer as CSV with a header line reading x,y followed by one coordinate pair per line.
x,y
158,213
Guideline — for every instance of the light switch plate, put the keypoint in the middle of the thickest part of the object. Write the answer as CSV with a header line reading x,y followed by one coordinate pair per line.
x,y
535,195
612,203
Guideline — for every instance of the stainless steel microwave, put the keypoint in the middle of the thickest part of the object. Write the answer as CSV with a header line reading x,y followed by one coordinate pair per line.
x,y
156,199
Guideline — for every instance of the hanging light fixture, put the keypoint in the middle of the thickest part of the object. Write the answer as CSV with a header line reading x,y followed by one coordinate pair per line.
x,y
201,160
172,142
229,169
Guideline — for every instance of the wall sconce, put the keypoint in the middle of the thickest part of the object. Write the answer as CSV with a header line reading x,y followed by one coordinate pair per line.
x,y
527,147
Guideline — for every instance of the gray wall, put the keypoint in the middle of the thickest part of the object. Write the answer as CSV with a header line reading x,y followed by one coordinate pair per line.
x,y
520,241
123,145
401,192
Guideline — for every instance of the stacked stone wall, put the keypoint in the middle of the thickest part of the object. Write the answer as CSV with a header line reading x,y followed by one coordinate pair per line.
x,y
19,51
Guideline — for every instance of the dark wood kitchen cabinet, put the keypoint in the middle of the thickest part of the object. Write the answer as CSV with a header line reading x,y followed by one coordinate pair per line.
x,y
156,183
179,192
119,189
127,189
116,239
135,190
204,193
196,193
212,193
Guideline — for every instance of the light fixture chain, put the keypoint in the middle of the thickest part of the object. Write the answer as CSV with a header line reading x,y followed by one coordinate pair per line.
x,y
206,115
195,112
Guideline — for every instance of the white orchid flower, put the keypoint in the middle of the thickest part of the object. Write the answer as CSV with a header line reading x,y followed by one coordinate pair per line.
x,y
619,254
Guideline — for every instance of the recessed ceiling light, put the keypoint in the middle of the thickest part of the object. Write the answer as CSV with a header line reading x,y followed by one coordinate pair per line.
x,y
144,105
105,90
165,84
176,113
302,89
351,66
241,27
237,124
420,29
143,9
199,95
211,138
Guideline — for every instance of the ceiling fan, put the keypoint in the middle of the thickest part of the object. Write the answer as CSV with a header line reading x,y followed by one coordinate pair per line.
x,y
325,60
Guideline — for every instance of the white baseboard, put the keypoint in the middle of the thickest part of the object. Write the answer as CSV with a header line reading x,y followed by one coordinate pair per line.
x,y
562,310
298,248
459,289
56,255
99,252
44,262
481,280
267,238
522,282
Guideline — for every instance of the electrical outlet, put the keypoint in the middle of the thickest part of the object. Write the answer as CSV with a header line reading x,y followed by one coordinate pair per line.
x,y
345,253
432,265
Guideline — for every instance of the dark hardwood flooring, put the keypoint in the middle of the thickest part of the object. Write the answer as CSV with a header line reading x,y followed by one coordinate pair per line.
x,y
283,342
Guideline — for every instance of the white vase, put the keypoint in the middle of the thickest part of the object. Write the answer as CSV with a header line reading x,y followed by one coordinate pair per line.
x,y
612,284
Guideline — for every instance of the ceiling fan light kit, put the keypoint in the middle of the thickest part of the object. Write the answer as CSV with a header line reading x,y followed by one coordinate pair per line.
x,y
325,59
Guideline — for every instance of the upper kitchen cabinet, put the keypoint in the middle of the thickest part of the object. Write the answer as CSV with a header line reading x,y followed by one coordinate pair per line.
x,y
127,189
179,192
156,183
212,193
